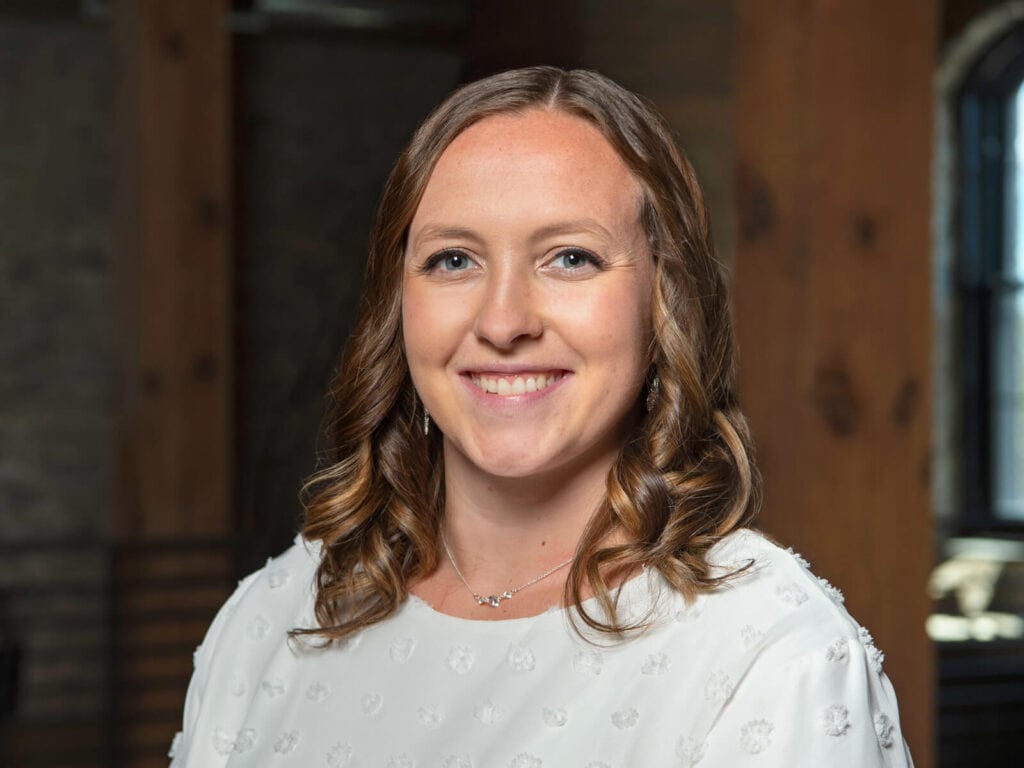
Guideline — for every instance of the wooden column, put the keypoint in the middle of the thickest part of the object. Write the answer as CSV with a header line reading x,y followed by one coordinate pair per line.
x,y
173,268
834,125
172,563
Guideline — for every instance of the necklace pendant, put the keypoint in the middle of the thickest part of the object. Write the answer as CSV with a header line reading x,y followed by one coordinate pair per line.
x,y
494,601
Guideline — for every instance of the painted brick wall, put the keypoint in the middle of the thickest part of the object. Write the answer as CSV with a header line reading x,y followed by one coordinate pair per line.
x,y
55,324
56,365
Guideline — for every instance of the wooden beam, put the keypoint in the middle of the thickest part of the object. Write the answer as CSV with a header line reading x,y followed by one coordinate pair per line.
x,y
834,124
174,289
173,268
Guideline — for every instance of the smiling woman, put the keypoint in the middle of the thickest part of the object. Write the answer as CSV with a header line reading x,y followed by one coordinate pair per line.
x,y
546,279
548,251
532,546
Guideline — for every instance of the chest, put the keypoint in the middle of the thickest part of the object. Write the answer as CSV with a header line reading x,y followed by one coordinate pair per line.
x,y
404,695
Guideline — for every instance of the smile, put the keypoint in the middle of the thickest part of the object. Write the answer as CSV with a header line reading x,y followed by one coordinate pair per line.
x,y
518,384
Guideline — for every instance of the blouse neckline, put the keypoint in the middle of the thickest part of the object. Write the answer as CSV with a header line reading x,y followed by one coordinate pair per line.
x,y
628,593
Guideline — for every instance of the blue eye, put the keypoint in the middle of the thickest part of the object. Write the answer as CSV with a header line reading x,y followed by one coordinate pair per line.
x,y
455,260
575,258
449,261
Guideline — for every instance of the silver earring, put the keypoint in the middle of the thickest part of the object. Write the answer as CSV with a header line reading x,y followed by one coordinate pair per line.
x,y
426,421
653,389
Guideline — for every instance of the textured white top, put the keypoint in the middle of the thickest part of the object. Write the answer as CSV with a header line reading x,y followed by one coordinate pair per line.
x,y
770,670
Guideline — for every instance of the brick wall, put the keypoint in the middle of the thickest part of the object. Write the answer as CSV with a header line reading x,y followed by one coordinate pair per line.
x,y
56,371
55,325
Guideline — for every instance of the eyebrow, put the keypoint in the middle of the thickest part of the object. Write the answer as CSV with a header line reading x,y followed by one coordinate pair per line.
x,y
592,226
444,232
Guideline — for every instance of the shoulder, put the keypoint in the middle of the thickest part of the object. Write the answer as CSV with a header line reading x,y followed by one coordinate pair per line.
x,y
267,603
251,627
772,618
798,676
289,574
768,609
775,592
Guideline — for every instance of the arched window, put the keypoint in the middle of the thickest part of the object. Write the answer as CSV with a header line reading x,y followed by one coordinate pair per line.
x,y
989,288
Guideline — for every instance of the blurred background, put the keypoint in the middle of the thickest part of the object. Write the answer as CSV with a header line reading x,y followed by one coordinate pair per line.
x,y
186,188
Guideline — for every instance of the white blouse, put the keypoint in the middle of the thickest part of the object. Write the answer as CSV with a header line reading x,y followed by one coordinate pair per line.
x,y
769,670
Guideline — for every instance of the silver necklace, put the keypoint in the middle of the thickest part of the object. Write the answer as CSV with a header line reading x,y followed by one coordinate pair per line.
x,y
495,600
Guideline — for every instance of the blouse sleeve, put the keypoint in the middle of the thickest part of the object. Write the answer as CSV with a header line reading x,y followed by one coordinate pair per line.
x,y
829,706
181,744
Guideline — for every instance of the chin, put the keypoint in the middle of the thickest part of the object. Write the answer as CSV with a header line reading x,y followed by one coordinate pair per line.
x,y
503,458
509,460
510,466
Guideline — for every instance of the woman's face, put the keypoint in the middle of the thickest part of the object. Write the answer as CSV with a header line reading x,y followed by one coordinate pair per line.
x,y
526,296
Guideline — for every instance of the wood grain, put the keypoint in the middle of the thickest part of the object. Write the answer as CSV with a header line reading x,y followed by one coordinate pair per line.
x,y
173,267
834,123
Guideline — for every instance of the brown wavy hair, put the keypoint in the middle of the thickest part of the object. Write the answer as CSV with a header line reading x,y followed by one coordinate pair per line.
x,y
685,476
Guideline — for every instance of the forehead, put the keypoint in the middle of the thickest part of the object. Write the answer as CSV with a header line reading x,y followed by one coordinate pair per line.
x,y
534,162
535,131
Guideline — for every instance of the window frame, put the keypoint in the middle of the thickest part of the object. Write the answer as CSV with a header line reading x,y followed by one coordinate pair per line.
x,y
982,105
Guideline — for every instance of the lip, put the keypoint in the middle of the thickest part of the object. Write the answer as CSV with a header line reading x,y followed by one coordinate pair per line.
x,y
510,369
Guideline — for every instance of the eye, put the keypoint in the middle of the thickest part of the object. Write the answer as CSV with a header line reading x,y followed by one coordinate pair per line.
x,y
449,260
574,259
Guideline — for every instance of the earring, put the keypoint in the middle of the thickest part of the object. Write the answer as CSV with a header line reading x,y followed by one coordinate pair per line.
x,y
653,389
426,421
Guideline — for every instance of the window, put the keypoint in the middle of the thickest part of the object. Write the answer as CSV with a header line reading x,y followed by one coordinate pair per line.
x,y
989,286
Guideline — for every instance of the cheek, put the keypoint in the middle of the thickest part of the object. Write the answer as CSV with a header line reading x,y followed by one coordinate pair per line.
x,y
412,329
625,329
426,329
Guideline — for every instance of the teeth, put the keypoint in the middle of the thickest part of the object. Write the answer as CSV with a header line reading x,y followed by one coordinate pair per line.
x,y
516,385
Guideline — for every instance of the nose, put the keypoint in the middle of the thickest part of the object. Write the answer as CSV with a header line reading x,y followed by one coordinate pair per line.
x,y
508,312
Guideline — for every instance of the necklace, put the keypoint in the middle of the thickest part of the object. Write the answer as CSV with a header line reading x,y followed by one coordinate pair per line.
x,y
495,600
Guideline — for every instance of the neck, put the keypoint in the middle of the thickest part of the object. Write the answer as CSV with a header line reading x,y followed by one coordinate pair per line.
x,y
504,531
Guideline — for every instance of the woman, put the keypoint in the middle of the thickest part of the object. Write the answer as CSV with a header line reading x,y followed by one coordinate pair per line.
x,y
531,547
